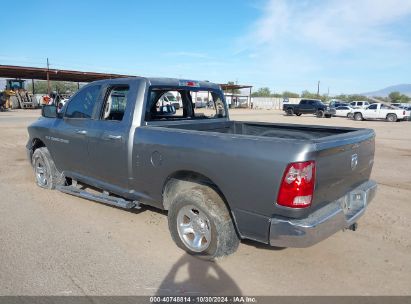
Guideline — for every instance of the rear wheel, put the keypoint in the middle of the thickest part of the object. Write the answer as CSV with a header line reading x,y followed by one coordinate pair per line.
x,y
358,116
201,224
290,111
391,117
46,174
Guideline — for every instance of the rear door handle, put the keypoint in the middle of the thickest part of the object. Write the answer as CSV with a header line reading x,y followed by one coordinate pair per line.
x,y
84,132
111,136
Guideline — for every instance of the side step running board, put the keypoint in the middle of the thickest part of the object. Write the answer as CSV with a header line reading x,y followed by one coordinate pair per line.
x,y
102,198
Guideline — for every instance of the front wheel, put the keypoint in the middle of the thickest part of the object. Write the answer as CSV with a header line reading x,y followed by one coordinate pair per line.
x,y
46,174
320,114
201,224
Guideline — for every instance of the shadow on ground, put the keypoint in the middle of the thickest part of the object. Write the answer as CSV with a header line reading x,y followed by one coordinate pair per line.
x,y
193,276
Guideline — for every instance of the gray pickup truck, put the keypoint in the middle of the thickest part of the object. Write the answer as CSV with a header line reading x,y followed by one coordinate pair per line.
x,y
220,180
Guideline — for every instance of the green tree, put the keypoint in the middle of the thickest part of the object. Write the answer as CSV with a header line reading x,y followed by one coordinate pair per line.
x,y
342,97
262,92
307,94
353,97
289,94
398,97
395,96
62,87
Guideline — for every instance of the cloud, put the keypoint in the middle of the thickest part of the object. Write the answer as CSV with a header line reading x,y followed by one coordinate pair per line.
x,y
331,25
349,45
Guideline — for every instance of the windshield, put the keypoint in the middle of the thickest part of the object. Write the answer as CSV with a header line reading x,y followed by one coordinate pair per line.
x,y
171,98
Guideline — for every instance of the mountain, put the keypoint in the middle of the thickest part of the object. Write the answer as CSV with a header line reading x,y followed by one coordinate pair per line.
x,y
402,88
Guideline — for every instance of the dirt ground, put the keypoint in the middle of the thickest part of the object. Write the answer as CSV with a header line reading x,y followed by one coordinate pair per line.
x,y
55,244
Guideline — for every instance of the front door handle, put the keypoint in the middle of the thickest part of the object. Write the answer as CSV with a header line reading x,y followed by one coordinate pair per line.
x,y
84,132
114,136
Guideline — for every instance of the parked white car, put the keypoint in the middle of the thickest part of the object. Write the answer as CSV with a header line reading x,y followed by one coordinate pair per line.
x,y
380,111
401,105
343,111
359,104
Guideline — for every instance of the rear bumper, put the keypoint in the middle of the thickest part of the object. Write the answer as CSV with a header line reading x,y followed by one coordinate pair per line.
x,y
319,225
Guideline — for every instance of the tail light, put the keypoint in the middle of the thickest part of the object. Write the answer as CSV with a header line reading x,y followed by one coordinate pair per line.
x,y
297,185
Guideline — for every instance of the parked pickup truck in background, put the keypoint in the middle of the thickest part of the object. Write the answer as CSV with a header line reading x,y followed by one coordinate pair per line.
x,y
359,104
220,180
381,111
309,106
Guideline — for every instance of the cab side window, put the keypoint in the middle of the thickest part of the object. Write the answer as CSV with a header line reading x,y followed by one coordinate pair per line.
x,y
83,103
115,103
372,107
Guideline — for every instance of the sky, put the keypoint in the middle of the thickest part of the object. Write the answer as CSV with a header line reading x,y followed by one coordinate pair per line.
x,y
350,46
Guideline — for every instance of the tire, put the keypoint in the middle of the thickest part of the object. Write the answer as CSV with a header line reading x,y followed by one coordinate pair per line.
x,y
45,172
298,114
203,208
358,116
391,118
320,114
14,102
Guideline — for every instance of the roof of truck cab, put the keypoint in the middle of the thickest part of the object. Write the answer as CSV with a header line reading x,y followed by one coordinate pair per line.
x,y
175,82
160,81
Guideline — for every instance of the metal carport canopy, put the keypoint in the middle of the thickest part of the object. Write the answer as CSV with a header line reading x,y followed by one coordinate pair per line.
x,y
10,71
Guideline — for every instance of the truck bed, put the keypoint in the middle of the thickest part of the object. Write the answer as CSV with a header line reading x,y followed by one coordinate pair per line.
x,y
260,151
289,131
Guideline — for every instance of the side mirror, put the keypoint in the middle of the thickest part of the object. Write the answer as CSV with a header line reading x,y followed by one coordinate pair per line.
x,y
49,111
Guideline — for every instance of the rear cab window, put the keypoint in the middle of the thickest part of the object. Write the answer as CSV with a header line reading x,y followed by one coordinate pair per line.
x,y
181,103
115,102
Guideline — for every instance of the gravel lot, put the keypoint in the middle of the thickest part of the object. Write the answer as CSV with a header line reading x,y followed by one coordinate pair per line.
x,y
55,244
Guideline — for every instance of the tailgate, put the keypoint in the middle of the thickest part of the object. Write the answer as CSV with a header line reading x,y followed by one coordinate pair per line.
x,y
343,162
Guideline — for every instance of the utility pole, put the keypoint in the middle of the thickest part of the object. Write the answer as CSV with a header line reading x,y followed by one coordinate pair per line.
x,y
48,77
318,88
